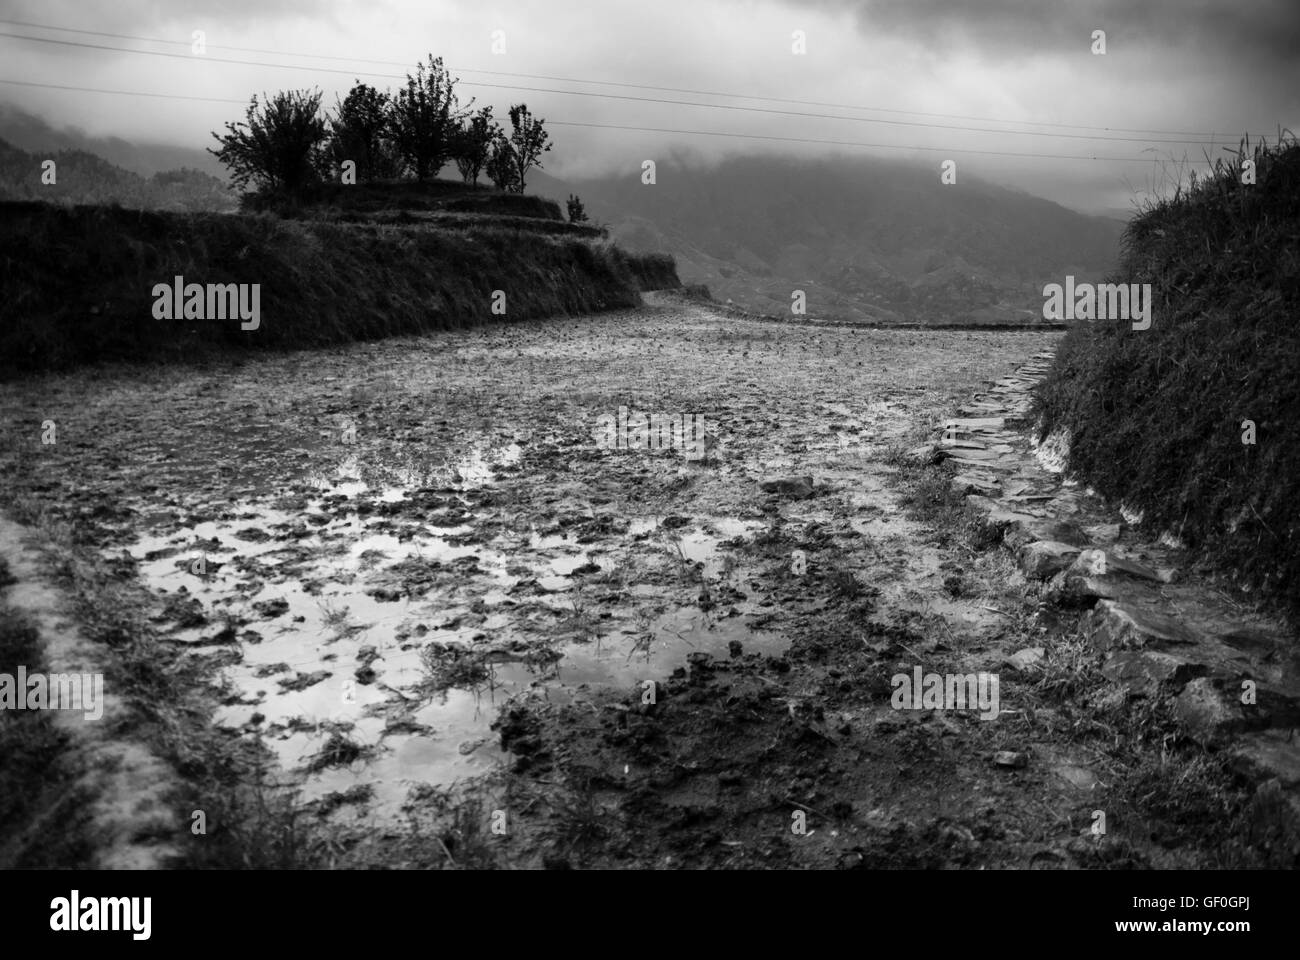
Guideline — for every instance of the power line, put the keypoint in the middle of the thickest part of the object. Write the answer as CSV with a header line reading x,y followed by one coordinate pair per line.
x,y
842,143
128,93
634,86
609,96
612,126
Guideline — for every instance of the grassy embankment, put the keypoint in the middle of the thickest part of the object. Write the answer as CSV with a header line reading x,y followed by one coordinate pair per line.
x,y
1157,416
78,282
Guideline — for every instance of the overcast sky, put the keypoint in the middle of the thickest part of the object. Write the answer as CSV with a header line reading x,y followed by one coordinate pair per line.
x,y
1190,67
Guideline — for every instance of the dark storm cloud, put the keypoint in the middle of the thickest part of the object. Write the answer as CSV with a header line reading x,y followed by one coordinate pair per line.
x,y
1268,28
145,16
916,71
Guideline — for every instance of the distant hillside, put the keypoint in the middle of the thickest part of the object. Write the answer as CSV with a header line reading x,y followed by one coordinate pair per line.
x,y
82,177
866,239
31,133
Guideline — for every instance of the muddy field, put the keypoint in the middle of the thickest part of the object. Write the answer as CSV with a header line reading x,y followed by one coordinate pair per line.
x,y
465,634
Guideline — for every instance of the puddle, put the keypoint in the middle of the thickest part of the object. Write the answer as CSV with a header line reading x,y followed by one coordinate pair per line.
x,y
324,616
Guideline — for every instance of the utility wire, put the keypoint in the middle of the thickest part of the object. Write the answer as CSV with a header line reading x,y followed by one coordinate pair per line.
x,y
842,143
613,126
634,86
127,93
611,96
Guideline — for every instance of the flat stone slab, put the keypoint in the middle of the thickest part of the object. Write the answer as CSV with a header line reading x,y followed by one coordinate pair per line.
x,y
995,513
1042,559
971,452
1112,625
1102,562
979,424
1026,659
1255,641
1147,671
973,483
1071,588
1103,532
1061,531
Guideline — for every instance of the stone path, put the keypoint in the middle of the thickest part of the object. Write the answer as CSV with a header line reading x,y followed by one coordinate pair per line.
x,y
1233,676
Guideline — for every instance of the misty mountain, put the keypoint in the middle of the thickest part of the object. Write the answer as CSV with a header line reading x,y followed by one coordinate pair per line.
x,y
866,239
83,177
35,135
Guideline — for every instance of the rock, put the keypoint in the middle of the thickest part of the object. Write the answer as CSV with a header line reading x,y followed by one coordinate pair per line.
x,y
301,681
1103,532
1102,563
1146,671
996,513
272,608
797,488
1026,659
1058,531
1080,777
1010,759
1111,625
967,454
1134,569
1042,559
365,675
972,483
1255,641
1267,755
1070,588
1090,563
1206,712
974,425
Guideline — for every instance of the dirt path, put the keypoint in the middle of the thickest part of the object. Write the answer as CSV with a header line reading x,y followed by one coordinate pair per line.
x,y
371,550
